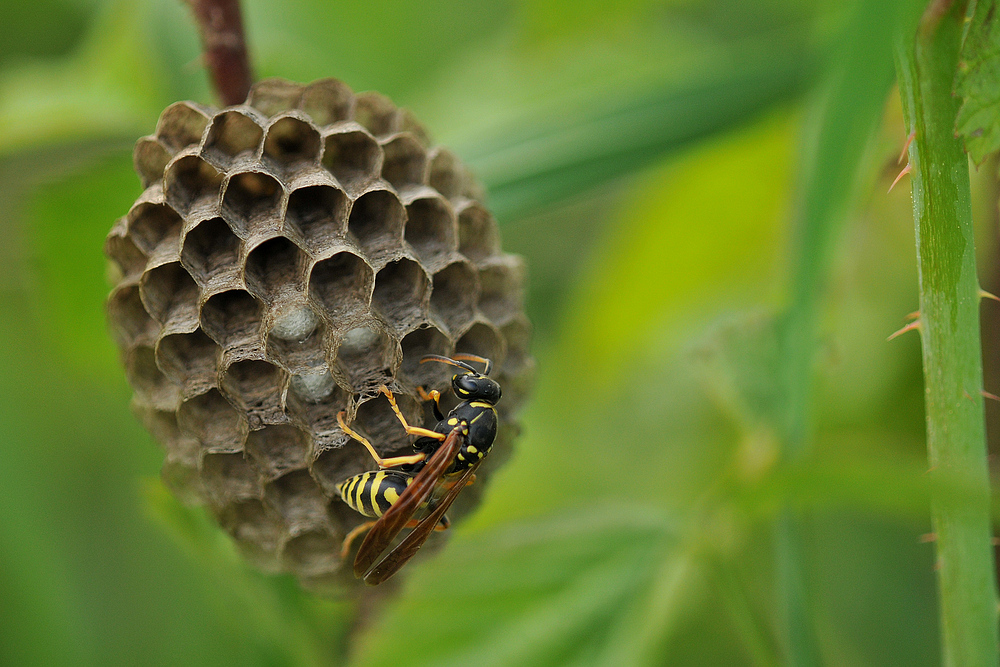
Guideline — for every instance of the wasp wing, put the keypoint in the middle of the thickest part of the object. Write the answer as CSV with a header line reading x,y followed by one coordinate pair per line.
x,y
395,518
408,548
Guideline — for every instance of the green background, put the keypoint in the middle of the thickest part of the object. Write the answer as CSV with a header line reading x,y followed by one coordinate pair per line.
x,y
661,165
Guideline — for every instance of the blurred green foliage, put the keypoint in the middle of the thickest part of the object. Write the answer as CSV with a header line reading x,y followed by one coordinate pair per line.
x,y
649,158
977,82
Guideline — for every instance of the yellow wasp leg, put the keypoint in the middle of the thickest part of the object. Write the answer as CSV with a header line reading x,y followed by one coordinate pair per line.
x,y
353,535
382,463
412,430
432,395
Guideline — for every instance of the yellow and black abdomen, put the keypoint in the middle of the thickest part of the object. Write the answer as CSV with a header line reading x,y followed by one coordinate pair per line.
x,y
372,493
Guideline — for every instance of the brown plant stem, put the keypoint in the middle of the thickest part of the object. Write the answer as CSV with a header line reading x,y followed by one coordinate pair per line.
x,y
220,23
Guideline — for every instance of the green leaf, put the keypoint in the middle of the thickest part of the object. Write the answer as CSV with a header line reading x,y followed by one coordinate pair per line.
x,y
738,358
41,28
659,263
598,581
108,87
531,161
282,622
68,217
545,19
857,82
978,83
393,46
87,578
656,277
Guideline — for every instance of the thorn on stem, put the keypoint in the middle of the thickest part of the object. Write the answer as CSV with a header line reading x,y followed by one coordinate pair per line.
x,y
992,397
906,147
915,324
912,316
927,538
905,171
983,294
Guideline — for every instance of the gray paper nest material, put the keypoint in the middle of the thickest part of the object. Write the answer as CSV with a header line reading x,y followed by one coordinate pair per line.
x,y
287,257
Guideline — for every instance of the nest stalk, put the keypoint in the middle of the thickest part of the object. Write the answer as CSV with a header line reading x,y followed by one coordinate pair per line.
x,y
220,23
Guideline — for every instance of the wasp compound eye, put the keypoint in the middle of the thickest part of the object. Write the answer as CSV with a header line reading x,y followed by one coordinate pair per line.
x,y
466,383
287,257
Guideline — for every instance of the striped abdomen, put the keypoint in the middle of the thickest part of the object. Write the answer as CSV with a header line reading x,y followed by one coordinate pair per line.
x,y
372,493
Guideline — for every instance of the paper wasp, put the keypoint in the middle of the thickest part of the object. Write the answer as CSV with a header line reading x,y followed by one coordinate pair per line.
x,y
444,461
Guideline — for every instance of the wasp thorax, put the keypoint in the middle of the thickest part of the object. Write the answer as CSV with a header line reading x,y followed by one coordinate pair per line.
x,y
287,257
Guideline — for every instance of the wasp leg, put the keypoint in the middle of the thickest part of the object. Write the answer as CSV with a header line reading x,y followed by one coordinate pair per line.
x,y
432,395
412,430
353,535
382,463
448,485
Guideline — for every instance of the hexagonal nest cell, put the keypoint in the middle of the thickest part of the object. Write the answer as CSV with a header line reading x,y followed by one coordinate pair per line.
x,y
288,256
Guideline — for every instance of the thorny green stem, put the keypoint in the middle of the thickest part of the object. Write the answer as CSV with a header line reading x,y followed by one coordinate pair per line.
x,y
949,327
221,25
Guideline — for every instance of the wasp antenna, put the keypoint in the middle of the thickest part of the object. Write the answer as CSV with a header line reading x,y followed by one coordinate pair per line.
x,y
905,171
906,147
446,360
481,360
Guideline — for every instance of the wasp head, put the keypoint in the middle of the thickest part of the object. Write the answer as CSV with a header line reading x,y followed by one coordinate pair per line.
x,y
475,387
470,385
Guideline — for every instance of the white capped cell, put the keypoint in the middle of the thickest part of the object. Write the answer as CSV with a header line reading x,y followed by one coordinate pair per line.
x,y
357,340
313,386
296,323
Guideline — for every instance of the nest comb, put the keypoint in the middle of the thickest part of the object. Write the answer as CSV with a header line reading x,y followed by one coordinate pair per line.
x,y
287,257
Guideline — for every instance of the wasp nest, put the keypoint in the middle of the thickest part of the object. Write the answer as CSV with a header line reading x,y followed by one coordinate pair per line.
x,y
288,256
